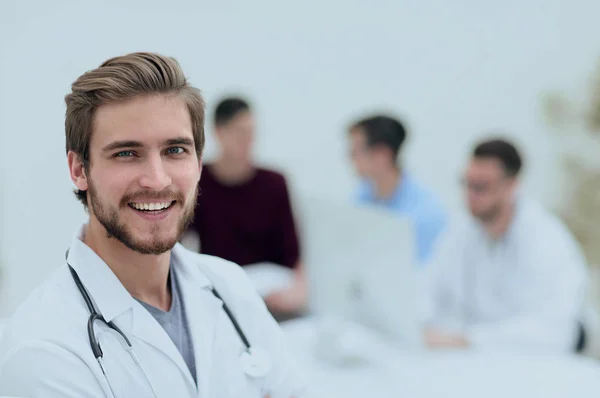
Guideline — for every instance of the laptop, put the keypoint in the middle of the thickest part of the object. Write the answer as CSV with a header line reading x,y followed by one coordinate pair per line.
x,y
360,263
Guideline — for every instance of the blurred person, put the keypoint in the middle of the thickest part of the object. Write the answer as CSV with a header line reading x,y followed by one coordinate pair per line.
x,y
133,313
509,277
244,212
376,144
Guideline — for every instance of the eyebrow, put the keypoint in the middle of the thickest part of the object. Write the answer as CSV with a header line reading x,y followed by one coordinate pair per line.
x,y
137,144
180,141
122,144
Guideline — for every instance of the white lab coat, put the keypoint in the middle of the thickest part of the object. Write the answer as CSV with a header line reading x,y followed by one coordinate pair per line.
x,y
524,291
45,352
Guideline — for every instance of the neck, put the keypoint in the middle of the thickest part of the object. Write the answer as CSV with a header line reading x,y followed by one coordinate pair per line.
x,y
232,171
386,183
497,227
144,276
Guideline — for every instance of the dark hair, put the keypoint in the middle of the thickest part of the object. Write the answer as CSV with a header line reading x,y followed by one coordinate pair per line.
x,y
228,108
382,130
502,150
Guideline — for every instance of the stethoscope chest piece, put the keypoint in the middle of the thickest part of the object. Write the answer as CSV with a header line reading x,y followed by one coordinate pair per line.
x,y
256,362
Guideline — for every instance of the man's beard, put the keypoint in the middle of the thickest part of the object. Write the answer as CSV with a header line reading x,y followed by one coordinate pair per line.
x,y
109,218
489,215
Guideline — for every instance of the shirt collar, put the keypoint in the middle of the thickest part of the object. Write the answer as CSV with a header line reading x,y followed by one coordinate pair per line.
x,y
399,195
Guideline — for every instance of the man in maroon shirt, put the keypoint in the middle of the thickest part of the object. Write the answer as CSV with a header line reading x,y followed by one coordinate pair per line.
x,y
244,213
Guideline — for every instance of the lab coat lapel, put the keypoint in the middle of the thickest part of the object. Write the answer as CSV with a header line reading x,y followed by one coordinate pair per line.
x,y
109,296
113,301
146,328
202,311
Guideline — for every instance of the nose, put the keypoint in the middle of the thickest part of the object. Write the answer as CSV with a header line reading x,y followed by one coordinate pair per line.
x,y
154,174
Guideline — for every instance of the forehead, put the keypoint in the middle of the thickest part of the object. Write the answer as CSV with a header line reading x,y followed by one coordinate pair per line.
x,y
485,168
357,135
146,119
243,119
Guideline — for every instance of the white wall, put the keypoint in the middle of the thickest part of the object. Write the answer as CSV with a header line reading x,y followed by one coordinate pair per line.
x,y
453,68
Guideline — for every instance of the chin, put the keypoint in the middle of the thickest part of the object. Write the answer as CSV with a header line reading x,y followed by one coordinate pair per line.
x,y
153,246
152,240
158,237
475,213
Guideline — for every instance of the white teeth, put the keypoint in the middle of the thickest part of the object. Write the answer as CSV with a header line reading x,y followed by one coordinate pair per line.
x,y
151,206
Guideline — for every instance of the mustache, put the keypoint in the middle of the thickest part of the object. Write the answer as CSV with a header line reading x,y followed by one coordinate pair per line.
x,y
167,196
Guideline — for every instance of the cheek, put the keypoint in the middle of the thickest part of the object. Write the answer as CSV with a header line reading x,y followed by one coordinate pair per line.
x,y
244,144
472,199
360,162
110,184
476,199
187,179
233,143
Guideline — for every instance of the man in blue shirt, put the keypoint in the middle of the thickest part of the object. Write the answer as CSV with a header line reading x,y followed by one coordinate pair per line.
x,y
375,144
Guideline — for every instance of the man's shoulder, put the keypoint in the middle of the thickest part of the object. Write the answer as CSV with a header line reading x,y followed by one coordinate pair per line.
x,y
223,273
273,184
270,176
263,174
37,340
231,282
364,191
425,203
422,192
536,217
250,311
44,315
218,265
38,359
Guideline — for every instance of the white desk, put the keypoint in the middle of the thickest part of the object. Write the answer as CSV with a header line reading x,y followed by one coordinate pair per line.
x,y
446,374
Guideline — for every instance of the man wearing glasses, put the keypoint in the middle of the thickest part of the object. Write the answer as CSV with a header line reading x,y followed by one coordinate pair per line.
x,y
512,276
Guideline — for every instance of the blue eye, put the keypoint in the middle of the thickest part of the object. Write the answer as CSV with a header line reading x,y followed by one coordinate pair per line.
x,y
124,154
176,150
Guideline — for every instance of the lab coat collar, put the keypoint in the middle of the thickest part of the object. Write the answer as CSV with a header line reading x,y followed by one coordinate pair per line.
x,y
203,311
114,302
186,265
109,295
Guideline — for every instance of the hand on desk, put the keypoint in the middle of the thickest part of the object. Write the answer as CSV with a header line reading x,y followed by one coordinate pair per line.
x,y
289,300
439,339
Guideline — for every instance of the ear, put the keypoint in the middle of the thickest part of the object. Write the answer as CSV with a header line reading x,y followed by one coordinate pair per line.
x,y
77,171
383,152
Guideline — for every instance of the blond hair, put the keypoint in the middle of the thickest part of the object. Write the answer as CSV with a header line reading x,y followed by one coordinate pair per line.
x,y
123,78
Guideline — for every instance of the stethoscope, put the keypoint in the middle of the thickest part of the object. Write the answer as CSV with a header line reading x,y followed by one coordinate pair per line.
x,y
256,362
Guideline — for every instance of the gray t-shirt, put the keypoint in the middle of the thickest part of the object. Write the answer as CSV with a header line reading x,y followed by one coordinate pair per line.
x,y
175,323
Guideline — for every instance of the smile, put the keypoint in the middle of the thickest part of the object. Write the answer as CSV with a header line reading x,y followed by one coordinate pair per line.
x,y
151,207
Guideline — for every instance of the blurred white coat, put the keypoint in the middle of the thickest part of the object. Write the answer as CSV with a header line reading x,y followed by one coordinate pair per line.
x,y
524,291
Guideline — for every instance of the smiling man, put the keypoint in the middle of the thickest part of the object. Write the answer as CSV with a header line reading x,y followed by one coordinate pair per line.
x,y
511,276
131,312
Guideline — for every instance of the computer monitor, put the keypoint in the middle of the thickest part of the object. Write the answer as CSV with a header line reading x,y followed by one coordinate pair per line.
x,y
360,263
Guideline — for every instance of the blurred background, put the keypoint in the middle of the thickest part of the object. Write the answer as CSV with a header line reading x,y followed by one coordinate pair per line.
x,y
453,71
